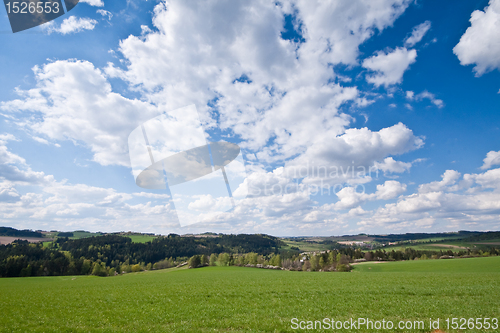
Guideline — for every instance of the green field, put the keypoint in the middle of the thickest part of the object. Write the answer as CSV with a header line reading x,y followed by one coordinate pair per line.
x,y
237,299
140,238
136,238
306,246
445,245
83,234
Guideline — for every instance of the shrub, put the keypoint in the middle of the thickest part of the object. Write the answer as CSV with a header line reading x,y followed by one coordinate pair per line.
x,y
194,262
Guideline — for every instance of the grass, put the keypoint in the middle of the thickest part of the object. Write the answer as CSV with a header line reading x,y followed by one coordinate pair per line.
x,y
84,234
445,245
468,265
140,238
236,299
306,246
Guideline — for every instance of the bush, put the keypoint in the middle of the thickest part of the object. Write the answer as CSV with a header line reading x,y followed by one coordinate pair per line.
x,y
194,262
136,268
213,260
99,269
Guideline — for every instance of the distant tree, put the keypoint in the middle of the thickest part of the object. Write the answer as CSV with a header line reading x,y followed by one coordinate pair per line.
x,y
322,263
223,259
99,269
204,260
194,262
86,267
136,268
306,266
252,258
331,258
314,261
213,259
277,260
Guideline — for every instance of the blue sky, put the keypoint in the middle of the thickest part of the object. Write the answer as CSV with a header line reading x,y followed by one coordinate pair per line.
x,y
406,89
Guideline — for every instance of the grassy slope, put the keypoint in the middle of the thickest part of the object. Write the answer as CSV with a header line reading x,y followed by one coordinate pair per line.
x,y
140,238
225,299
306,246
469,265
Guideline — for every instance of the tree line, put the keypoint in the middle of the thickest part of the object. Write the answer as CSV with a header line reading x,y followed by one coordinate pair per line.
x,y
102,254
113,254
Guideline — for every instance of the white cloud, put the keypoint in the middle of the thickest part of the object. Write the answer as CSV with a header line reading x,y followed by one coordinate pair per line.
x,y
349,198
8,192
389,67
289,98
449,178
66,206
491,159
14,169
358,150
76,103
72,24
286,112
97,3
425,94
479,44
410,95
417,34
389,165
474,199
105,13
389,190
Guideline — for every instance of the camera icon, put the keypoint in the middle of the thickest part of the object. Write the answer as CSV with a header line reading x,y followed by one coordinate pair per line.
x,y
171,152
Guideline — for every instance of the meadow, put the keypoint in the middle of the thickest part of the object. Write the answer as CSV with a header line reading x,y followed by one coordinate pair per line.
x,y
239,299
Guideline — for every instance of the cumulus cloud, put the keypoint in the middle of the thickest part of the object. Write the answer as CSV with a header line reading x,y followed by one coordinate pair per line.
x,y
351,198
97,3
479,44
233,64
389,190
390,165
13,168
417,34
276,97
449,178
389,67
75,102
491,159
357,153
68,206
72,24
472,199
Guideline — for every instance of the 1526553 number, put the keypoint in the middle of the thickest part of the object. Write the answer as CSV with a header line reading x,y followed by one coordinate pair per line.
x,y
472,323
31,7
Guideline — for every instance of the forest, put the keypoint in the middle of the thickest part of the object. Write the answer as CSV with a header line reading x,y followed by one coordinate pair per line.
x,y
115,254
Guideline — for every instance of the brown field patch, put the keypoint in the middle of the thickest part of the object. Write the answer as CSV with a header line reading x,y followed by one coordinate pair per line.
x,y
7,239
447,246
